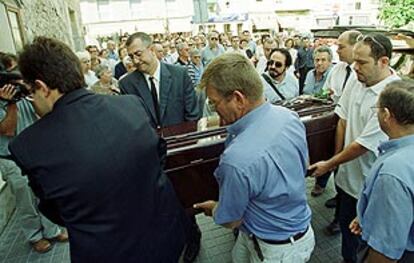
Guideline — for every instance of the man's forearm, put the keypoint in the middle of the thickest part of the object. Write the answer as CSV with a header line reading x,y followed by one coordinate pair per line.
x,y
9,124
340,135
351,152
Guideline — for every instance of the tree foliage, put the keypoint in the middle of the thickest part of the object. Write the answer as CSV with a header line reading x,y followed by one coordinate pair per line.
x,y
397,13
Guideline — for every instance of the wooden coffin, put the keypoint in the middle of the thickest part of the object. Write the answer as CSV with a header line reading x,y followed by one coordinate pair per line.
x,y
193,156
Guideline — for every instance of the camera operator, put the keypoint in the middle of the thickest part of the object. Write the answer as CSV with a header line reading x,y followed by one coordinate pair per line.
x,y
17,113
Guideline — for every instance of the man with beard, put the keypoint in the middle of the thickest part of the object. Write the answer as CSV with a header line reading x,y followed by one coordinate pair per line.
x,y
358,133
268,45
279,85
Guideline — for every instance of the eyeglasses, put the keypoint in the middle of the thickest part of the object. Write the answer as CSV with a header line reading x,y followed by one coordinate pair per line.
x,y
371,38
214,105
214,38
137,53
277,64
86,61
375,108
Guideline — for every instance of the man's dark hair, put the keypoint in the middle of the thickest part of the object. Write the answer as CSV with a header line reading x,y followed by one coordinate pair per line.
x,y
52,62
88,47
380,45
144,37
7,60
285,52
398,97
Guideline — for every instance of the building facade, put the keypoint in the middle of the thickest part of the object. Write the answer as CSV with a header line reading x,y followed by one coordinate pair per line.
x,y
301,16
25,19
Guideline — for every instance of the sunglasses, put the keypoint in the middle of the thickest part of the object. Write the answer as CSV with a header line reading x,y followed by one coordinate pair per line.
x,y
277,64
214,38
372,39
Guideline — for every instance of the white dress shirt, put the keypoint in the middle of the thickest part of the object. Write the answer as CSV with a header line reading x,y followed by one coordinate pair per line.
x,y
157,80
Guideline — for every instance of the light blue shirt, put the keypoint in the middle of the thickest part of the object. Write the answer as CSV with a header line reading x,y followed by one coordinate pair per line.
x,y
289,87
261,174
386,203
312,86
25,117
207,54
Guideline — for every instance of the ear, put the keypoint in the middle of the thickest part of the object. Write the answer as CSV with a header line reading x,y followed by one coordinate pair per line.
x,y
240,97
385,61
44,89
387,115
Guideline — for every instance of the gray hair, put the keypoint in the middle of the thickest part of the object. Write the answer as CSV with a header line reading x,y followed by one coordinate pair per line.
x,y
323,49
100,69
82,55
144,37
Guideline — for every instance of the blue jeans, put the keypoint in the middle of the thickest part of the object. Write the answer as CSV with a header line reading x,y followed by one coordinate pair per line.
x,y
347,212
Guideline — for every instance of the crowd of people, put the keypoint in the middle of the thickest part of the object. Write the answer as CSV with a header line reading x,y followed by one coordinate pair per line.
x,y
95,161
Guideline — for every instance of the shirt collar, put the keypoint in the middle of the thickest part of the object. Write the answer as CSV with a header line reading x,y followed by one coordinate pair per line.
x,y
241,124
395,144
377,88
157,73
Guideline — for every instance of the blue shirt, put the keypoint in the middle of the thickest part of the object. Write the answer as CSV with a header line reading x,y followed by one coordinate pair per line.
x,y
25,117
261,174
313,86
386,204
208,54
289,87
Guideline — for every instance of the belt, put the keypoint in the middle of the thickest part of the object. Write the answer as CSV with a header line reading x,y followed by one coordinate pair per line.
x,y
286,241
274,242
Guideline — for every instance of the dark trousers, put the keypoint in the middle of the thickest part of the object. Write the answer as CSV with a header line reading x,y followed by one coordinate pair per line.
x,y
302,77
322,181
347,212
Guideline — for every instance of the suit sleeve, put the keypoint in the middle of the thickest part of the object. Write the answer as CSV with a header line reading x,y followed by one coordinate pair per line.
x,y
121,86
47,207
191,110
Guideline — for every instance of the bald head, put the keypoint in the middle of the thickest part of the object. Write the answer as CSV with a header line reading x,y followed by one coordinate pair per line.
x,y
346,42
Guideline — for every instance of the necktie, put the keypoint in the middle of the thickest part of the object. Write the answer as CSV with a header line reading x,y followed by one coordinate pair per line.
x,y
348,73
155,100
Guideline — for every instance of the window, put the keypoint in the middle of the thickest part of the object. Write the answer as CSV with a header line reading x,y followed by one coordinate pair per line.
x,y
104,9
357,5
15,28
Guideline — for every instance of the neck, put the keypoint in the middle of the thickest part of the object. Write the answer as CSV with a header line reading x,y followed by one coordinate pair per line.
x,y
153,68
401,131
382,75
184,59
254,105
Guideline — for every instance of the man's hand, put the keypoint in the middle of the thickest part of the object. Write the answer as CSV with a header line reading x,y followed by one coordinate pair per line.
x,y
7,92
207,206
355,227
320,168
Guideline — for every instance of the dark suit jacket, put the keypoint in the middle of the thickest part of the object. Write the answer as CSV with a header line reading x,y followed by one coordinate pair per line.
x,y
95,167
120,70
178,101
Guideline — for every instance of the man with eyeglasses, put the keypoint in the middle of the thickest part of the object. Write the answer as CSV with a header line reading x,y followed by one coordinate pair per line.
x,y
213,49
261,174
386,204
269,44
278,83
167,90
315,79
358,133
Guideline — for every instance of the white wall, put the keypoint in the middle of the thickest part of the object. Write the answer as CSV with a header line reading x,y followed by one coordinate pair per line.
x,y
6,39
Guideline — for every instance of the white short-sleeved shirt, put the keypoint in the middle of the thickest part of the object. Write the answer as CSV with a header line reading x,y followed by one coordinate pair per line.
x,y
336,78
362,127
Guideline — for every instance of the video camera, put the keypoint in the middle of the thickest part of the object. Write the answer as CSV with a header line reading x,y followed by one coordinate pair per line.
x,y
13,78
